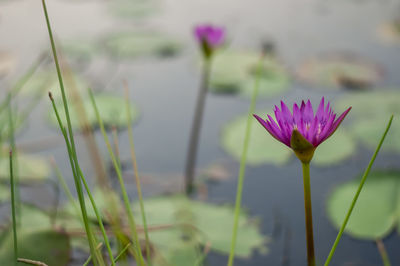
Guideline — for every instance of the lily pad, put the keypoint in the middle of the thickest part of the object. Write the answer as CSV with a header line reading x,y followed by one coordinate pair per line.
x,y
134,8
28,167
262,147
369,116
50,247
340,71
235,72
112,111
135,44
376,212
46,80
7,63
339,147
203,222
82,49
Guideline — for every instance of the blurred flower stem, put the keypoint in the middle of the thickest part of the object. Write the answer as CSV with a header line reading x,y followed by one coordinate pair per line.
x,y
196,127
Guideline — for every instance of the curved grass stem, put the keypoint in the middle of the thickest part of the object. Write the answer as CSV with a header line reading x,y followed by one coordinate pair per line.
x,y
243,160
353,203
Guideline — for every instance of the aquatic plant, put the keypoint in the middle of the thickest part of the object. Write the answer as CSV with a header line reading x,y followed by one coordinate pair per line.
x,y
302,131
210,38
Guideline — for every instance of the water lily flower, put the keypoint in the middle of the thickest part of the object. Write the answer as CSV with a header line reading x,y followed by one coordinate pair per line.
x,y
210,38
303,130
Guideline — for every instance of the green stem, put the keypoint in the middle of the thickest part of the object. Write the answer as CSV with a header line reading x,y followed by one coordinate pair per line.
x,y
82,178
98,259
243,160
353,203
14,221
122,252
137,179
383,252
196,127
125,197
308,215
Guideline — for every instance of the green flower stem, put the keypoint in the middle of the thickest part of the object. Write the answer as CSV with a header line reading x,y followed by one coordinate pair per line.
x,y
125,197
137,178
308,215
196,127
243,160
82,177
353,203
14,221
98,259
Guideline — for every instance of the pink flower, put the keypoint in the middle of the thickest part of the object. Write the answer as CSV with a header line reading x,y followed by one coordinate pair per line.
x,y
314,128
209,37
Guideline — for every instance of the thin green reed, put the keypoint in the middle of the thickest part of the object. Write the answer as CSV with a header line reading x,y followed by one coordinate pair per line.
x,y
82,177
135,169
131,220
383,253
353,203
13,212
14,149
243,160
98,259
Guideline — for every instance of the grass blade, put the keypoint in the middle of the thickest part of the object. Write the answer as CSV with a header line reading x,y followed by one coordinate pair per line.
x,y
13,213
243,160
353,203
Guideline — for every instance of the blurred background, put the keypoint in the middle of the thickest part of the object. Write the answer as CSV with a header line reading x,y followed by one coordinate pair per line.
x,y
347,51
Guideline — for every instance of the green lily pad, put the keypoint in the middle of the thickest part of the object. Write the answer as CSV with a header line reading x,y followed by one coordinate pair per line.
x,y
82,49
340,71
203,222
46,80
135,44
370,113
50,247
263,148
7,63
339,147
112,111
28,167
376,212
235,73
134,8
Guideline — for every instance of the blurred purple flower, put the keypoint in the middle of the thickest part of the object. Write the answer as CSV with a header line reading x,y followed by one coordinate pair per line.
x,y
314,128
210,37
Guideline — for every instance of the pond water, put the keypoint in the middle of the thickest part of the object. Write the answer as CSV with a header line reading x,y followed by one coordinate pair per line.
x,y
165,89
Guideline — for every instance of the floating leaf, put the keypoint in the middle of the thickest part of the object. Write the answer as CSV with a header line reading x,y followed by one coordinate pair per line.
x,y
82,49
47,246
7,63
235,72
339,147
203,222
340,71
28,167
112,111
134,44
46,80
377,210
262,147
370,113
134,8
